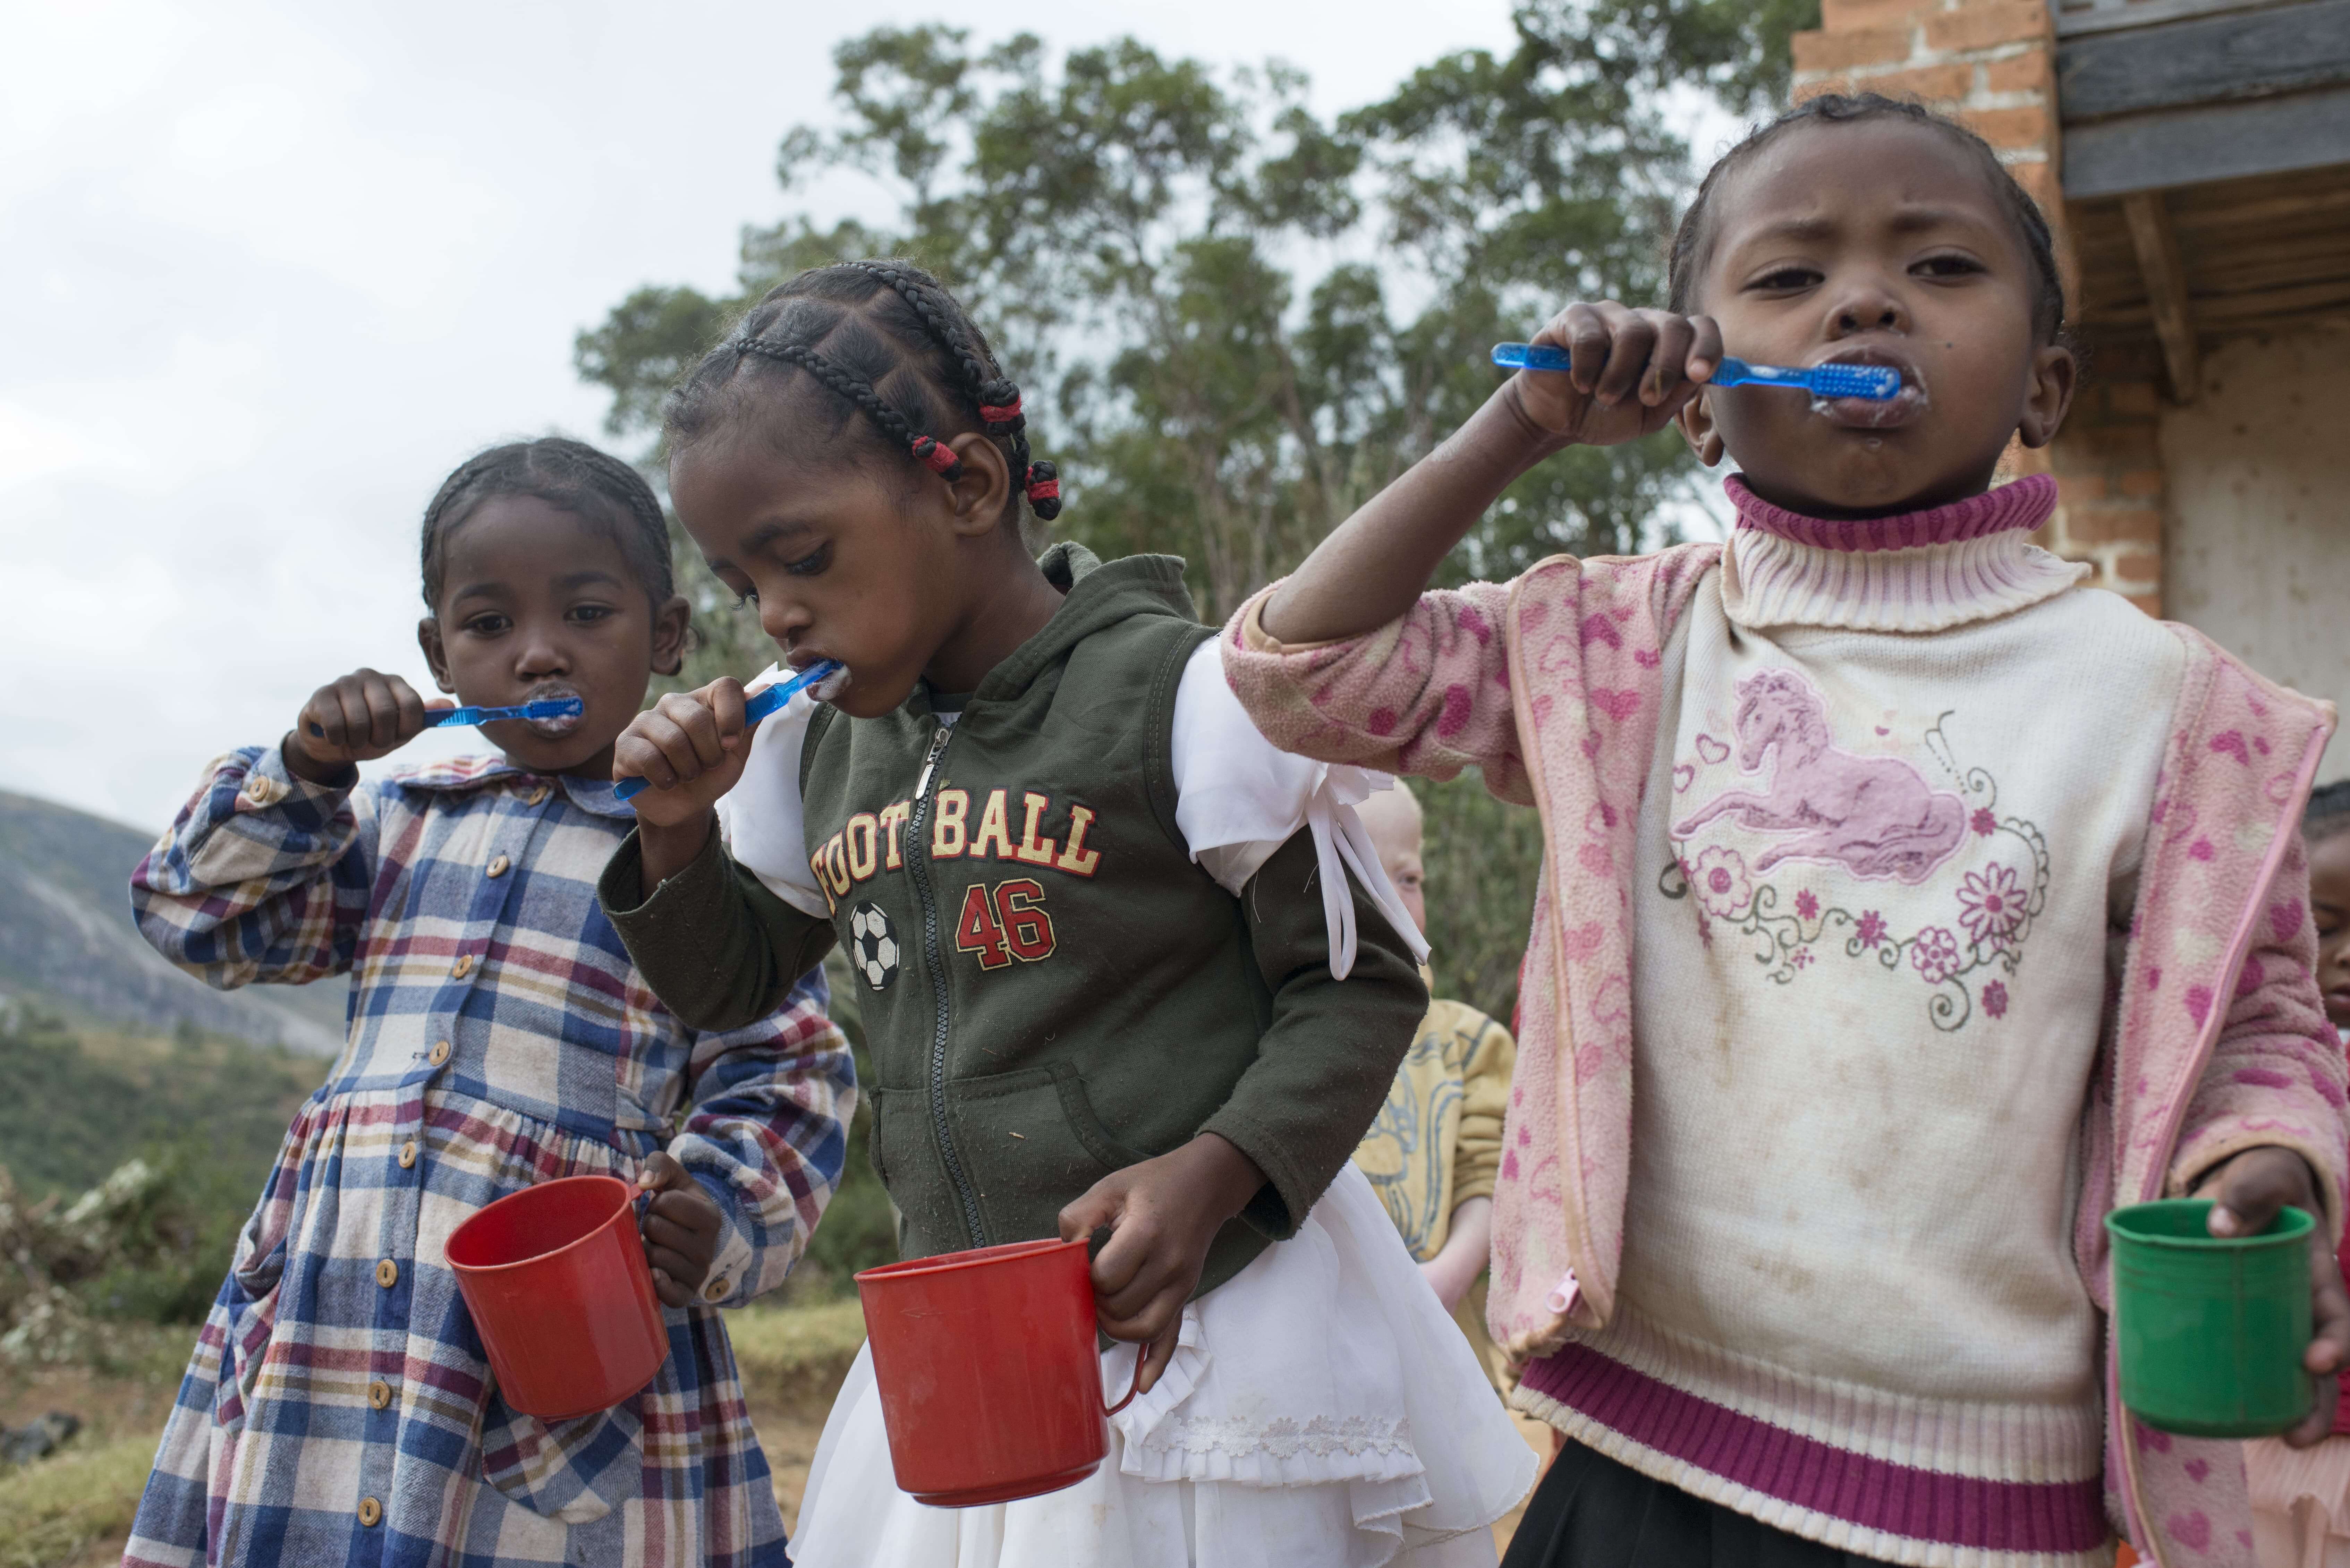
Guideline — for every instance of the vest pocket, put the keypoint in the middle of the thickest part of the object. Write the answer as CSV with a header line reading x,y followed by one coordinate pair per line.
x,y
1032,1144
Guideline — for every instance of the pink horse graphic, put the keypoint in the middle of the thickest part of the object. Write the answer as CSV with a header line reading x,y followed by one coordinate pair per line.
x,y
1875,815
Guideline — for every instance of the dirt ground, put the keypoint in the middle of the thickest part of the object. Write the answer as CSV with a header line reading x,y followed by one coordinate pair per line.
x,y
131,1405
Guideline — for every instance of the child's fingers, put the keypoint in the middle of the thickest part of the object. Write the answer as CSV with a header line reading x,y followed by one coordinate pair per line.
x,y
670,1292
2329,1313
2318,1425
1585,335
686,1239
1632,342
384,712
411,709
662,1173
1705,347
1156,1355
2248,1192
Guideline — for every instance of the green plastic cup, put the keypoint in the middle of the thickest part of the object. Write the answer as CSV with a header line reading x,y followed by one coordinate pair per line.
x,y
2213,1329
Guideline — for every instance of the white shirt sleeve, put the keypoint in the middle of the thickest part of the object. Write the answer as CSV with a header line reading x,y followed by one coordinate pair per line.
x,y
1238,799
761,815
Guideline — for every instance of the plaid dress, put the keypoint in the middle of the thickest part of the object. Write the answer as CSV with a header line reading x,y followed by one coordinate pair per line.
x,y
338,1409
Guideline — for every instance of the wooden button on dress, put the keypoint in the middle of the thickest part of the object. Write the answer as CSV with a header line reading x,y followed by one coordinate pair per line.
x,y
386,1273
498,867
537,796
464,966
378,1394
439,1054
408,1154
715,1290
370,1512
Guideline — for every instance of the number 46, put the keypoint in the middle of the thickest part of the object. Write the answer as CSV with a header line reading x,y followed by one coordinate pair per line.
x,y
1005,922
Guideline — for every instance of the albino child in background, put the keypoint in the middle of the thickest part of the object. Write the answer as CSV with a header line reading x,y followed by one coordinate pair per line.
x,y
1436,1147
1906,907
2301,1497
338,1408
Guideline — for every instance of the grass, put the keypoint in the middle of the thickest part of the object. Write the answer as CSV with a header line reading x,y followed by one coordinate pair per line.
x,y
795,1357
792,1357
51,1510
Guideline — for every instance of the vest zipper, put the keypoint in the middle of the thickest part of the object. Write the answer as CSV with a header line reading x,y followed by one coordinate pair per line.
x,y
917,861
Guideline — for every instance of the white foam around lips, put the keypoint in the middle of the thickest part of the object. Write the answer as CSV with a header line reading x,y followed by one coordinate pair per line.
x,y
831,686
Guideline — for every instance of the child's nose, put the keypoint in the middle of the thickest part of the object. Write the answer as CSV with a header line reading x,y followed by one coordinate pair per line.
x,y
783,621
1870,309
543,656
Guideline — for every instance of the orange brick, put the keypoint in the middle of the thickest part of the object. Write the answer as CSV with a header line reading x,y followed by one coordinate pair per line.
x,y
1842,51
2106,524
1861,15
1930,84
1984,24
2142,484
2026,72
2079,487
2038,178
2026,126
2137,571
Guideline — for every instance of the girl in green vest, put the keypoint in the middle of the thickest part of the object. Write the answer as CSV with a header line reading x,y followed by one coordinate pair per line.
x,y
1125,966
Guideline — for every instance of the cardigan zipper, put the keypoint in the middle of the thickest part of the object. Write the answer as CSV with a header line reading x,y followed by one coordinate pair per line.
x,y
917,860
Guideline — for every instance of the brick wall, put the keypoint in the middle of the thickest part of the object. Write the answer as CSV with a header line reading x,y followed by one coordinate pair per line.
x,y
1989,63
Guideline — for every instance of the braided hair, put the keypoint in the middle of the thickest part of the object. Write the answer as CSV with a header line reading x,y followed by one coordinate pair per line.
x,y
1692,242
590,484
888,342
2327,813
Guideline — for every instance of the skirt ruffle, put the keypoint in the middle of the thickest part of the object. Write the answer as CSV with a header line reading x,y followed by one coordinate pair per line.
x,y
1321,1411
2300,1503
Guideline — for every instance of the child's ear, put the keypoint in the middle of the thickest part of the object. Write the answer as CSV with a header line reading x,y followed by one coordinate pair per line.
x,y
428,637
985,486
1696,420
2055,371
672,624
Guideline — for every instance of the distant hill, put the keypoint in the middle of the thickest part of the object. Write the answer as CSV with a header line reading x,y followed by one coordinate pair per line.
x,y
67,942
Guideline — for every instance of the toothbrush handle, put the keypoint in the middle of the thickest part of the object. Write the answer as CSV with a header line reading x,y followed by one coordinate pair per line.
x,y
457,716
1729,371
762,705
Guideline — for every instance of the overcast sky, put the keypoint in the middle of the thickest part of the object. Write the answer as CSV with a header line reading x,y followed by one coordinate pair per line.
x,y
270,271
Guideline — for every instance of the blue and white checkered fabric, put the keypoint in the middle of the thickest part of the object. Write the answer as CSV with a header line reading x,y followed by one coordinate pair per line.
x,y
338,1409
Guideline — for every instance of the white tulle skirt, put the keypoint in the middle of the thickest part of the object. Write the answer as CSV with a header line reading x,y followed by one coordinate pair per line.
x,y
1321,1411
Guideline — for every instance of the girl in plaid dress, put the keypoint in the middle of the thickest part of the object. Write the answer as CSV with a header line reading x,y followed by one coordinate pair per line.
x,y
338,1408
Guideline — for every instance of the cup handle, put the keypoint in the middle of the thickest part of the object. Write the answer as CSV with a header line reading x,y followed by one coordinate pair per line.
x,y
1140,1352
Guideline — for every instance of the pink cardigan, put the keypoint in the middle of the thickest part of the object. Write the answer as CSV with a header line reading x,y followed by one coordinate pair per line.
x,y
1552,685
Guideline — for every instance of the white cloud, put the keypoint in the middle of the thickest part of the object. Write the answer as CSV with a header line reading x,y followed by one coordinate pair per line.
x,y
273,269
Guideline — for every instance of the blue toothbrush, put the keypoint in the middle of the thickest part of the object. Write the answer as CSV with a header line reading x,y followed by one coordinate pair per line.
x,y
1875,382
552,708
762,705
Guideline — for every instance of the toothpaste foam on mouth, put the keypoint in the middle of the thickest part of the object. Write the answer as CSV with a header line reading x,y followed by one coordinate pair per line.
x,y
558,726
831,686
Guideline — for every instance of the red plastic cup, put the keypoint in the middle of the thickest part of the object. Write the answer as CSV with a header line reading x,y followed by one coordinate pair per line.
x,y
557,1281
990,1386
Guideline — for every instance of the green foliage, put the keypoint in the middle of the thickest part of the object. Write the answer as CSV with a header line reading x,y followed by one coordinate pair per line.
x,y
51,1511
1234,320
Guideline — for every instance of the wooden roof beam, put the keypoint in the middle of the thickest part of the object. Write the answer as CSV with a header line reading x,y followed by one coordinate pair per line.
x,y
2166,289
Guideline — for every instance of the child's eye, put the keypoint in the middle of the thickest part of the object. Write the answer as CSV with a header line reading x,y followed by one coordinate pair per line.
x,y
589,615
487,625
809,565
1948,266
1786,278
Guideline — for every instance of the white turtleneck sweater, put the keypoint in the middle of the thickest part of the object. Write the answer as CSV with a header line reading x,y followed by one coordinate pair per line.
x,y
1904,772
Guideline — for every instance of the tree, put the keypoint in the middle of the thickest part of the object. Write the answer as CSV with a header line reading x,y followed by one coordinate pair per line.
x,y
1243,319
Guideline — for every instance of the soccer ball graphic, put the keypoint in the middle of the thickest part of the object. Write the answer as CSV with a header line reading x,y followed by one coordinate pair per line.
x,y
873,945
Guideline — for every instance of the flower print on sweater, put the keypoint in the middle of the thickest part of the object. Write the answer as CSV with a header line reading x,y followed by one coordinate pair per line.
x,y
1970,880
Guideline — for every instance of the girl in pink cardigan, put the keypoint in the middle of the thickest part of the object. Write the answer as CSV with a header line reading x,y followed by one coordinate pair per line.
x,y
1905,907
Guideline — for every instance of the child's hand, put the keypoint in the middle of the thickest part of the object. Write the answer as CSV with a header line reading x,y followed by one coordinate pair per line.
x,y
1633,371
690,747
357,719
680,1229
1163,1213
2246,1193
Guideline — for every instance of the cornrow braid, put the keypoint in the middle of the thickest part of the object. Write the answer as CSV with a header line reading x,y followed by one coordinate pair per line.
x,y
886,339
991,391
570,474
940,459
